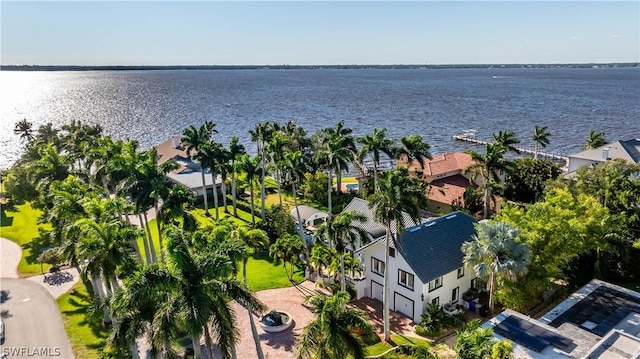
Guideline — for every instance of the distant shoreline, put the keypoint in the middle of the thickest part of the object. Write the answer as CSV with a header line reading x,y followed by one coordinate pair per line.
x,y
302,67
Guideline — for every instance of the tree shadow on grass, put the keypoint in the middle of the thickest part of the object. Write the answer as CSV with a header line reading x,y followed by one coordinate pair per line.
x,y
36,246
83,305
5,221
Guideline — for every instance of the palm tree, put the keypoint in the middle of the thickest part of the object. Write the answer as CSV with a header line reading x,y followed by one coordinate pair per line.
x,y
490,167
595,140
174,208
495,254
336,332
342,233
413,148
336,149
197,288
397,193
374,145
540,137
278,145
251,170
212,155
475,342
506,139
261,135
295,165
321,257
236,149
287,248
105,247
24,129
255,239
194,139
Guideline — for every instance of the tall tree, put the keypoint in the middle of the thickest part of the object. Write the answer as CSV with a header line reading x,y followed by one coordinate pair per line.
x,y
595,140
495,254
261,134
24,129
287,248
475,342
540,137
295,165
236,149
344,233
491,167
374,145
397,193
413,148
506,139
194,139
212,155
174,208
249,166
337,330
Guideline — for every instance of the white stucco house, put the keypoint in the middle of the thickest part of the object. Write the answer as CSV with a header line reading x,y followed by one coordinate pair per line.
x,y
188,172
425,266
627,150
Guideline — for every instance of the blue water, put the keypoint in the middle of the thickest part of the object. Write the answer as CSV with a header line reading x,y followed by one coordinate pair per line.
x,y
437,103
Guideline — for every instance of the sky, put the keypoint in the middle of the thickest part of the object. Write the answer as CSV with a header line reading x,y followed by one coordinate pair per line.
x,y
318,33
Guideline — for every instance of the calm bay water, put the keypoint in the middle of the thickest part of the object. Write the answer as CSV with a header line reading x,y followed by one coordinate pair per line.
x,y
149,106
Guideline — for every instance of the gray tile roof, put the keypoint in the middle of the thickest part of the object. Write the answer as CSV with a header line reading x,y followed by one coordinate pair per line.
x,y
433,249
376,229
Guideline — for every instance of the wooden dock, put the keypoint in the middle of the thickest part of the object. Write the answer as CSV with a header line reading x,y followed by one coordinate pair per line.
x,y
469,136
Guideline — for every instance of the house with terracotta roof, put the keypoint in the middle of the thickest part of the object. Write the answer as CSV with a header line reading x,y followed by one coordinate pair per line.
x,y
188,172
446,176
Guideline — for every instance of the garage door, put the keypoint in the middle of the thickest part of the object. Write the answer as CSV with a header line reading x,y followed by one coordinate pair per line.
x,y
403,305
377,290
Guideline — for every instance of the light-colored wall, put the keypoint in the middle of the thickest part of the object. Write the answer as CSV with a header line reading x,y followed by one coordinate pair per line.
x,y
575,163
450,281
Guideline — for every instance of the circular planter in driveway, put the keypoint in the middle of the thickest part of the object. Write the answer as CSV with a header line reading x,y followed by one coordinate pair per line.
x,y
286,323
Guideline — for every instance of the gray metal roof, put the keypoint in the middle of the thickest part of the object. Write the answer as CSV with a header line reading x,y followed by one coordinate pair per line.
x,y
627,150
433,249
306,212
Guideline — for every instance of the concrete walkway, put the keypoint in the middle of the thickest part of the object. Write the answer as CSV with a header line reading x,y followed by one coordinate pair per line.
x,y
10,255
57,283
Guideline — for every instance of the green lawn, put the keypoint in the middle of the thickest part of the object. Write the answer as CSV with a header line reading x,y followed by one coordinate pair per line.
x,y
87,335
265,273
21,226
397,339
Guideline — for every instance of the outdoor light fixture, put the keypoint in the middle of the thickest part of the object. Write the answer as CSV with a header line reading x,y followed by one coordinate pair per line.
x,y
422,296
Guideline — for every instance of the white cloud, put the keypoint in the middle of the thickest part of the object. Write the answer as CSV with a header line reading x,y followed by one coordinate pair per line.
x,y
574,38
616,36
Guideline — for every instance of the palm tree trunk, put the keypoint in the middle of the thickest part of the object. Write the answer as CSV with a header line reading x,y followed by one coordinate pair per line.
x,y
158,225
385,295
306,245
152,248
339,179
535,152
329,190
224,195
492,287
207,341
147,253
375,176
233,190
262,189
215,192
343,283
486,199
195,339
278,185
98,289
133,347
253,211
254,330
204,191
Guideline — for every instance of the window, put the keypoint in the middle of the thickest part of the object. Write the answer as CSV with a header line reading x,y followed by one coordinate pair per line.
x,y
405,279
454,294
392,252
474,283
436,300
460,272
435,284
377,266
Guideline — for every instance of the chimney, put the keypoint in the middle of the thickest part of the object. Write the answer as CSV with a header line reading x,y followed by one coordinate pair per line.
x,y
175,142
605,153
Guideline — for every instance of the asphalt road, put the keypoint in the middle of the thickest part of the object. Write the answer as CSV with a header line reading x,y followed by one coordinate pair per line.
x,y
33,325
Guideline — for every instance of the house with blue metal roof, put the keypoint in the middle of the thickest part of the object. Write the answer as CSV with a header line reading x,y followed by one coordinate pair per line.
x,y
426,265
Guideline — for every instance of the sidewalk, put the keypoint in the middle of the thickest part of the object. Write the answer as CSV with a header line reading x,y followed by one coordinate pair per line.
x,y
10,255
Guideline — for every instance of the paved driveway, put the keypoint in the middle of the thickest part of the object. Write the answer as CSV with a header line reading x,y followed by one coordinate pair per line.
x,y
33,325
10,254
